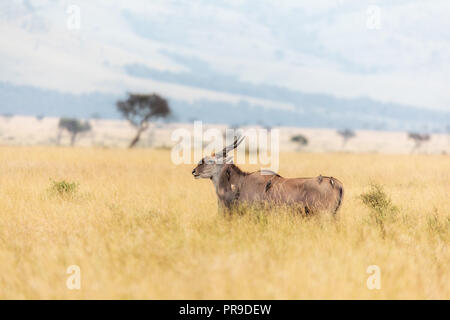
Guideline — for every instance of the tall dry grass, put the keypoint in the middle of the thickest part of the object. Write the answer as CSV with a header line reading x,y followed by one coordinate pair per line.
x,y
140,227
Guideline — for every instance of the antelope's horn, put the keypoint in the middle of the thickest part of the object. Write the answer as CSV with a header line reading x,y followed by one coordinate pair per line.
x,y
234,145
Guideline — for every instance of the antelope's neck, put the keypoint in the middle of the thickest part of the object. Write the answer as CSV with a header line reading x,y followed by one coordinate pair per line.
x,y
235,175
216,177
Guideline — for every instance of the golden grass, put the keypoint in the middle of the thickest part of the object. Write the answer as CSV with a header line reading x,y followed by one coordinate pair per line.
x,y
140,227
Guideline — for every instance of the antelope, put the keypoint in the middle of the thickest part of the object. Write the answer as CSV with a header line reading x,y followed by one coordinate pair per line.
x,y
234,186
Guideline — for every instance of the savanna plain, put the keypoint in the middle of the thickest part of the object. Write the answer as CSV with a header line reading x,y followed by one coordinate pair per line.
x,y
140,227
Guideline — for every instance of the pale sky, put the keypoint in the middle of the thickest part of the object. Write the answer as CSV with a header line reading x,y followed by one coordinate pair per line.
x,y
391,51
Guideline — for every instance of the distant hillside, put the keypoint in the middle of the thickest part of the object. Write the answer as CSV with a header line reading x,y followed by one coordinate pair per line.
x,y
332,113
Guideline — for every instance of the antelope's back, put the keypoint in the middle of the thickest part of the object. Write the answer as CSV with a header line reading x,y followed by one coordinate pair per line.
x,y
317,194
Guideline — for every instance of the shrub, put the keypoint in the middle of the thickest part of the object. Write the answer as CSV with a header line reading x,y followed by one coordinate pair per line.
x,y
380,205
64,188
439,226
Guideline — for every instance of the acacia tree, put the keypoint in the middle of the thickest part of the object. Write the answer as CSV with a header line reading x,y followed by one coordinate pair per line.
x,y
74,127
418,138
301,140
138,109
346,135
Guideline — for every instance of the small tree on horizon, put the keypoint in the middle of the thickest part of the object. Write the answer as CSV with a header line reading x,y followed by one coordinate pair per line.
x,y
74,127
301,140
138,109
346,135
419,139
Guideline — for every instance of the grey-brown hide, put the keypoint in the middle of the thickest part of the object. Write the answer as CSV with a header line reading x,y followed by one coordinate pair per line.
x,y
234,186
310,194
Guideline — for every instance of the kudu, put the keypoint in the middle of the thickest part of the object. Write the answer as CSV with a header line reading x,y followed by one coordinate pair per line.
x,y
234,186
